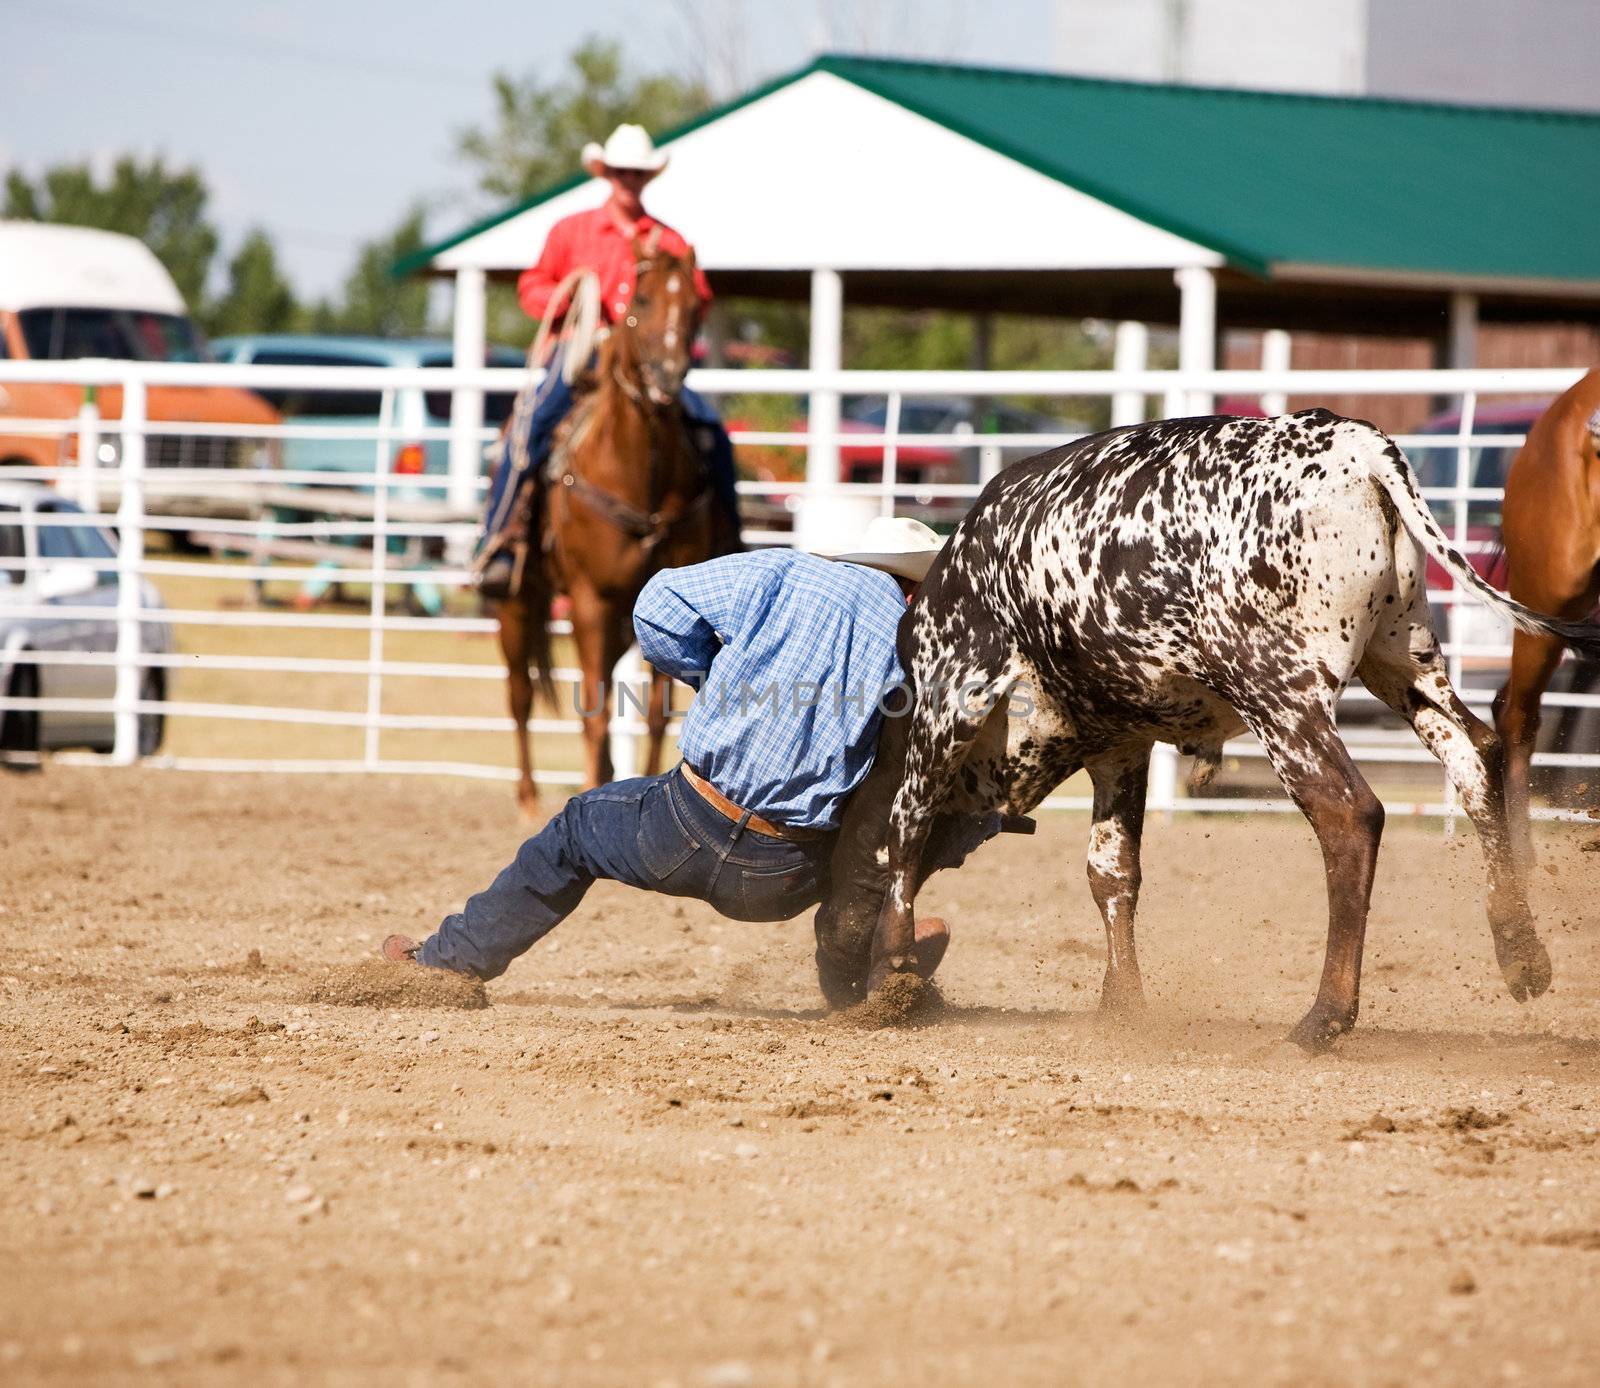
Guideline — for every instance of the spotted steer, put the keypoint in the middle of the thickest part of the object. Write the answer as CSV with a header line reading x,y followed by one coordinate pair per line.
x,y
1177,582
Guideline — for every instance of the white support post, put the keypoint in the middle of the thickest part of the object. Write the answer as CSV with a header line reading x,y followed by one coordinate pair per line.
x,y
824,515
1461,351
89,451
1197,330
891,453
1161,795
130,582
1275,355
630,699
372,742
1458,626
466,405
1131,352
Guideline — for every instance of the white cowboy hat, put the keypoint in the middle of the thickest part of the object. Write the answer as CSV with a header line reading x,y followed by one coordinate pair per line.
x,y
895,544
630,147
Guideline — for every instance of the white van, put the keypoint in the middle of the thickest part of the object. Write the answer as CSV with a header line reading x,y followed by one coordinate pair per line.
x,y
73,292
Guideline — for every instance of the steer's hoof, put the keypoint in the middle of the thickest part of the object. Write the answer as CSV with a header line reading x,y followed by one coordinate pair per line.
x,y
885,969
1319,1029
1525,962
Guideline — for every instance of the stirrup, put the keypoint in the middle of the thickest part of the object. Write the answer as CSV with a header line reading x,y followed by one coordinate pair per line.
x,y
497,577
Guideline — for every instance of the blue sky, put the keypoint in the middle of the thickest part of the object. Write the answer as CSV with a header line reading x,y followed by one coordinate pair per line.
x,y
322,120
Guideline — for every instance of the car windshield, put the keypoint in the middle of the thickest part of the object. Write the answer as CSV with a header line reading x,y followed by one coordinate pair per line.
x,y
320,404
497,404
72,541
914,418
11,552
1435,463
66,334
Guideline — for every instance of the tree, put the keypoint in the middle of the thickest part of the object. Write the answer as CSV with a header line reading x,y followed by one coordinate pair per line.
x,y
374,300
164,208
258,298
539,130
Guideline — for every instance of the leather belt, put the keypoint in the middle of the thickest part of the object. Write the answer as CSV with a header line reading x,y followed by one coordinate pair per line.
x,y
720,802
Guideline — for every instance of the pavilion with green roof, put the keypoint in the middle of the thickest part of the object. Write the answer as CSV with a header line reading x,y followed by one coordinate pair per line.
x,y
931,185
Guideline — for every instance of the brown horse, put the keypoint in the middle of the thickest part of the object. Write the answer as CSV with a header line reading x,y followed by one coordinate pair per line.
x,y
630,496
1552,545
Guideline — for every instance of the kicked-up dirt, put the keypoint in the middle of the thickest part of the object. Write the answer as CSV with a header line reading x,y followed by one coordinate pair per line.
x,y
234,1149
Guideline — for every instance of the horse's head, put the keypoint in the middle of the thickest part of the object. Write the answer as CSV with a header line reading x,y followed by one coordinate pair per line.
x,y
663,318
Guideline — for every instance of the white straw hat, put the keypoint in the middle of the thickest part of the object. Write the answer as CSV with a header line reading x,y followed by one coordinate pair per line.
x,y
629,147
895,544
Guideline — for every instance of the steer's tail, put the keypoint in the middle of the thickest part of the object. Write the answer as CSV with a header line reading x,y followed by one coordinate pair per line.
x,y
1391,471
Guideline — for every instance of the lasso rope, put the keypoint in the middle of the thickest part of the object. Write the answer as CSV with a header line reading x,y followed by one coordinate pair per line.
x,y
583,286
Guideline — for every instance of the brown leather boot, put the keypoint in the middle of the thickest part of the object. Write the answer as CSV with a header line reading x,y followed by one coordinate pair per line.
x,y
498,578
933,938
402,949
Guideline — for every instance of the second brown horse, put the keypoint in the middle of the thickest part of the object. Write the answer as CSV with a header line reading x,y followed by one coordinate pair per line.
x,y
1552,545
630,495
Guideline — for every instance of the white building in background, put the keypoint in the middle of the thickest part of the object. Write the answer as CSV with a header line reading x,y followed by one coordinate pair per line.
x,y
1542,53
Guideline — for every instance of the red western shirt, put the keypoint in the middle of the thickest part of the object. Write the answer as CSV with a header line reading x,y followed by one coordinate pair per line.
x,y
596,240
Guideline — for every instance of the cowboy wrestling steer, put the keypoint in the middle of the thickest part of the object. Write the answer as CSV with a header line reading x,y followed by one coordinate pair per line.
x,y
1178,582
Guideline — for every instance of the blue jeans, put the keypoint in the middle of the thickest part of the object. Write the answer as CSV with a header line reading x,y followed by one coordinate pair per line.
x,y
550,405
657,833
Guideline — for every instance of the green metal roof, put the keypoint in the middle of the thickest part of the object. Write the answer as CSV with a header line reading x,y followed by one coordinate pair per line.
x,y
1267,178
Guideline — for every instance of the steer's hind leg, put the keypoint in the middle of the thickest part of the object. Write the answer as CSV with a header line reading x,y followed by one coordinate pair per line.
x,y
1119,790
1304,748
1404,668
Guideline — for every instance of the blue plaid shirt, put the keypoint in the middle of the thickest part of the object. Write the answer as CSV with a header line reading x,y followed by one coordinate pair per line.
x,y
796,654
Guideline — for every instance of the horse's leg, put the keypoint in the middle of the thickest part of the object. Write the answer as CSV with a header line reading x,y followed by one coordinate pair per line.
x,y
513,619
656,720
591,620
1555,575
1516,714
616,635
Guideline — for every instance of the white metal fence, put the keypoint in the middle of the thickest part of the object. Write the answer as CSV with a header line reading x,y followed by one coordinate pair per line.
x,y
375,525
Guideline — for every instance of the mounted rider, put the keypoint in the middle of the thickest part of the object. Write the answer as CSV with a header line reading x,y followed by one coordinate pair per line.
x,y
606,240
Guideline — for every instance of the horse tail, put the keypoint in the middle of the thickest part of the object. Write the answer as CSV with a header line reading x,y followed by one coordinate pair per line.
x,y
1390,470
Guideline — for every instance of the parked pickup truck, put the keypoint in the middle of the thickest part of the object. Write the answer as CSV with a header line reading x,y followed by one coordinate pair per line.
x,y
71,292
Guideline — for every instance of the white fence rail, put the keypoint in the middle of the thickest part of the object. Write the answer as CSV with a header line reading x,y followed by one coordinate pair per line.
x,y
438,537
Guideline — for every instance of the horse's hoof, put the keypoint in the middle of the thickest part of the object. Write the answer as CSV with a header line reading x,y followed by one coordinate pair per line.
x,y
1121,994
1525,963
1319,1029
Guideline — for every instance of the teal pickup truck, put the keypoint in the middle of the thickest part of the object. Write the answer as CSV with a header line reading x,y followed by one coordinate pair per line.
x,y
416,445
359,411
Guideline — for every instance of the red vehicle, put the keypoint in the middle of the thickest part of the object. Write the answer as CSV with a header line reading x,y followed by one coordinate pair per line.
x,y
920,463
1436,467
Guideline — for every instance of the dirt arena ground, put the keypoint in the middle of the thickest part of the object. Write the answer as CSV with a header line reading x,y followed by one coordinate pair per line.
x,y
652,1159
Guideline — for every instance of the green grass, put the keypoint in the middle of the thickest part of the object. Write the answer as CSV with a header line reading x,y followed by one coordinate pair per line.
x,y
413,695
